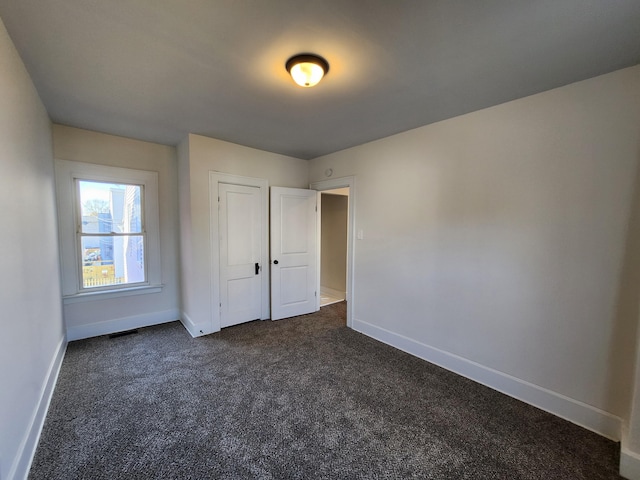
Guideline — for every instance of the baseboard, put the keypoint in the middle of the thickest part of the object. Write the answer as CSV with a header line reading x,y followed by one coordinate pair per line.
x,y
562,406
193,328
22,463
121,324
188,324
629,464
332,293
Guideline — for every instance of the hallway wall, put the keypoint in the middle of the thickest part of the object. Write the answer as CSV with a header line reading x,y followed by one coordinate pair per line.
x,y
333,255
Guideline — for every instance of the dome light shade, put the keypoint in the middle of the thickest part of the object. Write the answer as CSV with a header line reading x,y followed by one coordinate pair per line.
x,y
307,69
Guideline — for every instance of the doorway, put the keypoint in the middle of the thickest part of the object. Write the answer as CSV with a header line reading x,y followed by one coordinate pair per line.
x,y
334,215
216,182
350,184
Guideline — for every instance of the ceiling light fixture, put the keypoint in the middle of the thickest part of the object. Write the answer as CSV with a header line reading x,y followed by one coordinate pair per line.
x,y
307,69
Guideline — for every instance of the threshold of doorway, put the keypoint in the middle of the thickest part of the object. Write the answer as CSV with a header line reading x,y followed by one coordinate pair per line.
x,y
329,296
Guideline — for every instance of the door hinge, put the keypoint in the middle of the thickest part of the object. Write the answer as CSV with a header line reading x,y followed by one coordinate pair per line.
x,y
315,293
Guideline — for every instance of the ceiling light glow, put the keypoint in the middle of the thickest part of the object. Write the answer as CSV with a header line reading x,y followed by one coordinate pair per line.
x,y
307,69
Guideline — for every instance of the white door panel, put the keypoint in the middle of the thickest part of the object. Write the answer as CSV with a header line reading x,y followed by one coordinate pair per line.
x,y
296,280
293,252
240,247
293,212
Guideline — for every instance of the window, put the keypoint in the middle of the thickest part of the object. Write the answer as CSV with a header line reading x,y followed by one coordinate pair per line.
x,y
109,235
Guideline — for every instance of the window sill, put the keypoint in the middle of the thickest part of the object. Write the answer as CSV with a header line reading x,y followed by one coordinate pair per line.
x,y
108,294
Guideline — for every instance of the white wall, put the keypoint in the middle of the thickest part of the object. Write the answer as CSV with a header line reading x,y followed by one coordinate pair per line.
x,y
494,243
32,342
198,156
97,317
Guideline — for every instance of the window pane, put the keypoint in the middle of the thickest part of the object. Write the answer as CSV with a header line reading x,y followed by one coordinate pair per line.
x,y
110,207
110,261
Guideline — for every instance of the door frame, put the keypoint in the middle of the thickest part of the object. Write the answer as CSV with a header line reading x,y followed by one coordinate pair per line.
x,y
215,179
332,184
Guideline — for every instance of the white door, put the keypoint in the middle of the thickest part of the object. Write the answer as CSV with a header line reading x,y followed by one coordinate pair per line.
x,y
293,252
240,247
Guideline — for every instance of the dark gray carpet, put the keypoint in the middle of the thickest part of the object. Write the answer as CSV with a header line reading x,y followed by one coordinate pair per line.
x,y
300,398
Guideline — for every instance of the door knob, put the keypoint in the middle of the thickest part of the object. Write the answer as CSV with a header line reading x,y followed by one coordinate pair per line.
x,y
275,262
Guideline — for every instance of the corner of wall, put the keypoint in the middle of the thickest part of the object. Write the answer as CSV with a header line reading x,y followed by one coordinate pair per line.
x,y
184,222
195,330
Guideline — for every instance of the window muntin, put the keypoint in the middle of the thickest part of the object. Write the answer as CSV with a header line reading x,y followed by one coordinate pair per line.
x,y
111,235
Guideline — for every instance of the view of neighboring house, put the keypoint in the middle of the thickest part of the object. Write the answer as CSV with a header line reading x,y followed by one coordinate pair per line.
x,y
112,259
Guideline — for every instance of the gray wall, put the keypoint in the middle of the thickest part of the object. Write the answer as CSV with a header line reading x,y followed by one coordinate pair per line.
x,y
333,267
493,244
32,340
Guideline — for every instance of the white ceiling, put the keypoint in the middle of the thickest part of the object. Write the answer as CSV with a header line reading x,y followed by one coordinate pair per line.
x,y
159,69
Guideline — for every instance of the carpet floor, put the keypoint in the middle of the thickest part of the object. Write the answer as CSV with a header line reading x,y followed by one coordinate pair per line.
x,y
301,398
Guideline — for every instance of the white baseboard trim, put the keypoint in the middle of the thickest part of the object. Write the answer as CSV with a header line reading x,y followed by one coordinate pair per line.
x,y
577,412
188,324
332,293
193,328
121,324
629,464
22,463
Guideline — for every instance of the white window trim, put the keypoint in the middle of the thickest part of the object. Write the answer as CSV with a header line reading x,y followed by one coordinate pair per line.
x,y
66,174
